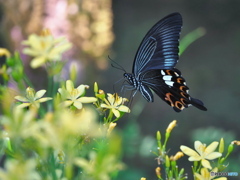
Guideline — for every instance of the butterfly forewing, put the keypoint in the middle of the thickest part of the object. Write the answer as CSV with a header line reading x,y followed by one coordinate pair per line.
x,y
159,48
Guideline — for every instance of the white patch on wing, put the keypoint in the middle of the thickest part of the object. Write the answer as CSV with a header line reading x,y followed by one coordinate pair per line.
x,y
167,77
176,73
162,72
170,83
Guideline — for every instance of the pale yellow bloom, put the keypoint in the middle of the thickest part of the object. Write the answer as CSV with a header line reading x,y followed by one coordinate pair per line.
x,y
45,48
202,153
206,175
32,98
15,169
4,52
115,103
74,96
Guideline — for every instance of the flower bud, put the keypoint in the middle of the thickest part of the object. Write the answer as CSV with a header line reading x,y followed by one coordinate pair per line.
x,y
167,161
236,143
181,172
221,146
230,147
158,172
177,156
73,71
171,126
96,88
111,127
158,136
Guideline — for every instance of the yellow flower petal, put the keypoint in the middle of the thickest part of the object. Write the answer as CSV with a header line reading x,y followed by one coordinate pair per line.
x,y
206,164
66,103
205,173
212,147
188,151
87,99
194,158
38,61
69,85
21,98
198,176
61,48
44,99
199,147
78,104
30,52
105,106
213,155
111,98
123,108
81,89
116,113
23,105
40,94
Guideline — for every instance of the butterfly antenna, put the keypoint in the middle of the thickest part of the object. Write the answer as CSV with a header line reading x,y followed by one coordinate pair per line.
x,y
117,66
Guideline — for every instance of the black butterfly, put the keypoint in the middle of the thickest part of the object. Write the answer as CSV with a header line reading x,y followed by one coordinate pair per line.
x,y
154,66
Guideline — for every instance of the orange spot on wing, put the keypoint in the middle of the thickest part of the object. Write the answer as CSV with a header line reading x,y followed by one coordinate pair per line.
x,y
184,94
179,105
168,72
180,80
168,98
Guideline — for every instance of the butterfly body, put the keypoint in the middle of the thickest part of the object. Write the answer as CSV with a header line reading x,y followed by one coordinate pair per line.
x,y
154,66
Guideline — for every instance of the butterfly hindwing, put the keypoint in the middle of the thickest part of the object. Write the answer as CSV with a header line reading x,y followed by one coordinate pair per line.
x,y
171,87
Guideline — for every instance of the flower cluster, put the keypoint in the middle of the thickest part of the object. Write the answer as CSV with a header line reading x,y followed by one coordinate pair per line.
x,y
55,133
203,157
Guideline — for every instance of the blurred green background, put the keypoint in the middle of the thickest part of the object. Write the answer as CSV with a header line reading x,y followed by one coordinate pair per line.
x,y
101,28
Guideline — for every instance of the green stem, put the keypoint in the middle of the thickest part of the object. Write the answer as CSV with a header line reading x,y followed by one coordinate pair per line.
x,y
29,83
50,92
110,116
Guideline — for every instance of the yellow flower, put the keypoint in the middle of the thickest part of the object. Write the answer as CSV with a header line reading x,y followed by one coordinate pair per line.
x,y
15,169
203,153
115,103
4,52
45,48
206,175
32,98
73,95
